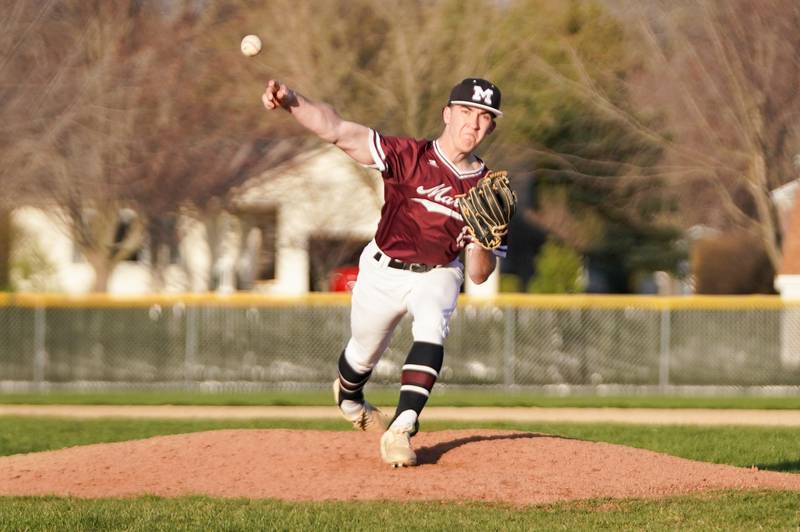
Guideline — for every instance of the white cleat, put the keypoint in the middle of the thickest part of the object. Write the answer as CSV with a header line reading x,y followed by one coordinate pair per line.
x,y
366,418
396,448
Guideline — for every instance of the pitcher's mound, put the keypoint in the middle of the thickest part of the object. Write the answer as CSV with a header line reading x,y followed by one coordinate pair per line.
x,y
455,465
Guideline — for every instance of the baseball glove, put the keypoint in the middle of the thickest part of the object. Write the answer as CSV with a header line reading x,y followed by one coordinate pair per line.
x,y
487,209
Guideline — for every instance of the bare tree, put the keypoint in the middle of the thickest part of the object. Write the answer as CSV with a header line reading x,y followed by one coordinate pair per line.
x,y
81,161
26,76
123,133
198,135
40,99
718,83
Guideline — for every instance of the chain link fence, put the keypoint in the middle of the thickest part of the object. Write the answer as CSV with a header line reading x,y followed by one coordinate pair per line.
x,y
563,343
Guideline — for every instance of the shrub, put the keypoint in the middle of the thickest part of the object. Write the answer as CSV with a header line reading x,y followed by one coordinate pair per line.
x,y
559,270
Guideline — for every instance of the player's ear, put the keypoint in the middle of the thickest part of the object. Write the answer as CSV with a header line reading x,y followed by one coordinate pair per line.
x,y
446,113
491,127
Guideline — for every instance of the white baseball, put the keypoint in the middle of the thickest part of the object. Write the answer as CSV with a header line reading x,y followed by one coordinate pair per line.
x,y
251,45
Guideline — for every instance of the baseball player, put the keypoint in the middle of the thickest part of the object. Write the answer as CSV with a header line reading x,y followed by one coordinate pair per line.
x,y
412,265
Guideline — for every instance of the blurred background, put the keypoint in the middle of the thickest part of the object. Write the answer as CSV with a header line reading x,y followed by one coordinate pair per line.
x,y
653,146
651,143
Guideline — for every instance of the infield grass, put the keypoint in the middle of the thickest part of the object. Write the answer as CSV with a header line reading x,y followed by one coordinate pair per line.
x,y
728,510
382,396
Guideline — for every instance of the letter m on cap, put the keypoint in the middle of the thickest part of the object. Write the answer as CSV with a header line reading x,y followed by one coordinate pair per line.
x,y
479,94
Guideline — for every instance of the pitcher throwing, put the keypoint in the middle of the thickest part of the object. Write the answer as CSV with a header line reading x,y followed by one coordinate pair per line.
x,y
412,265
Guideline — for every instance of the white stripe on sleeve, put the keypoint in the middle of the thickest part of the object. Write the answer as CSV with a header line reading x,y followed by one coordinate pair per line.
x,y
376,150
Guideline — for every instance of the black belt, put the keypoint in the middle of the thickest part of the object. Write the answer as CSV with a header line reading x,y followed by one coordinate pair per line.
x,y
410,266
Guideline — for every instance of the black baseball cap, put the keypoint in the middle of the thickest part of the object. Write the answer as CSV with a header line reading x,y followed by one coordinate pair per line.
x,y
476,92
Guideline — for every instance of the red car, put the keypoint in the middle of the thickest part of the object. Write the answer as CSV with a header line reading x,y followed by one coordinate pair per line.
x,y
343,278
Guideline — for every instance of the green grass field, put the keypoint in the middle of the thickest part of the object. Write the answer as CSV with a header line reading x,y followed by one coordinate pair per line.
x,y
714,511
768,448
444,396
771,448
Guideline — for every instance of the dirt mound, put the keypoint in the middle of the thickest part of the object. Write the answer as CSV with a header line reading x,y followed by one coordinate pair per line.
x,y
455,465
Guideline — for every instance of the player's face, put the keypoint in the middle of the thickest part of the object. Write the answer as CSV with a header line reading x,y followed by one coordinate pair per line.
x,y
467,126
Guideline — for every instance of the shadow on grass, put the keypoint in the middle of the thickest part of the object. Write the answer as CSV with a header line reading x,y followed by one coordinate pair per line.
x,y
431,455
790,466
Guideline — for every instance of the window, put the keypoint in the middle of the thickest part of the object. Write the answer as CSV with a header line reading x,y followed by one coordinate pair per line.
x,y
127,217
125,220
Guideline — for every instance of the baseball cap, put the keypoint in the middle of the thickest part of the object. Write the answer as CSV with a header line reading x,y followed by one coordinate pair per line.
x,y
476,92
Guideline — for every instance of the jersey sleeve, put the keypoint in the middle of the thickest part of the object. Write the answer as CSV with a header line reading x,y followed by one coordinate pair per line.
x,y
392,156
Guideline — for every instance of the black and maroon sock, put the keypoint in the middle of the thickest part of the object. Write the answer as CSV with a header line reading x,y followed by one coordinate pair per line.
x,y
420,372
351,382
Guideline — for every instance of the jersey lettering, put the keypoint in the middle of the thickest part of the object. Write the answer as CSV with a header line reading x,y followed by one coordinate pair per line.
x,y
479,94
432,206
438,193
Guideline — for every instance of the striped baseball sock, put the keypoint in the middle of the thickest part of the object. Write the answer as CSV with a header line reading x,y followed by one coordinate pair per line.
x,y
351,382
420,372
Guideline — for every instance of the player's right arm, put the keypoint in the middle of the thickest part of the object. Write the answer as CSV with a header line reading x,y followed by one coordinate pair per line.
x,y
321,119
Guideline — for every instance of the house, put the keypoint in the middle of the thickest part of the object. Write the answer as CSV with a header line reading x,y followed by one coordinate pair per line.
x,y
306,217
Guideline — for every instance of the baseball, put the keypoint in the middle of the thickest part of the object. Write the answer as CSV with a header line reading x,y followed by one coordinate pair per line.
x,y
251,45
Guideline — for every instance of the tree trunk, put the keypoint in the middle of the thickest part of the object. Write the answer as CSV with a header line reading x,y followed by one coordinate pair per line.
x,y
161,235
159,262
103,268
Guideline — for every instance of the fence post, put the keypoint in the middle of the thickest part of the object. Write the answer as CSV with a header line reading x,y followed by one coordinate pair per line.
x,y
663,358
508,346
190,353
39,344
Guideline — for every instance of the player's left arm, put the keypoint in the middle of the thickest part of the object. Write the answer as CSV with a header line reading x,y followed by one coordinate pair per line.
x,y
480,263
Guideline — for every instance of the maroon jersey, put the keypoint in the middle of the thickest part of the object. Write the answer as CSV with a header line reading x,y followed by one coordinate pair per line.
x,y
420,221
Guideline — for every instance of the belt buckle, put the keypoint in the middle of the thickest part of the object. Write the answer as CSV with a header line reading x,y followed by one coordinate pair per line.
x,y
418,268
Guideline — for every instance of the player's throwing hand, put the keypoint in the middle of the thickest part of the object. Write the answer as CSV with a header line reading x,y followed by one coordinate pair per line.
x,y
277,95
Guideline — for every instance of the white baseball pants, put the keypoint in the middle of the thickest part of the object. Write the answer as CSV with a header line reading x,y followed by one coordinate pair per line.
x,y
383,295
